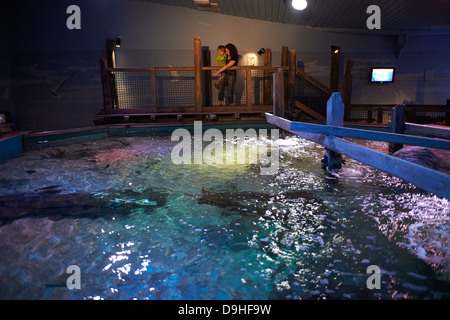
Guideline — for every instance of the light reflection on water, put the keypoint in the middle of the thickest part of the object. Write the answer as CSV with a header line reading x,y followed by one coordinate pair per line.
x,y
220,232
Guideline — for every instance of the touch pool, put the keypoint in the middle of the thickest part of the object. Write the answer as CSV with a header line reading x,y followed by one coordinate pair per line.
x,y
140,227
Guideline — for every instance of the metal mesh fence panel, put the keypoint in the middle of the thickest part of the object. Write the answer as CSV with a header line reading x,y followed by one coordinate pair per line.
x,y
262,86
133,89
424,117
311,96
175,88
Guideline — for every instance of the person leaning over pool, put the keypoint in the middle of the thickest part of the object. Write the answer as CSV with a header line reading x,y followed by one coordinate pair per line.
x,y
230,75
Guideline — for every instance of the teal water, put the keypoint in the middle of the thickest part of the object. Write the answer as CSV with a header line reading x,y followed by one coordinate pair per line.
x,y
140,227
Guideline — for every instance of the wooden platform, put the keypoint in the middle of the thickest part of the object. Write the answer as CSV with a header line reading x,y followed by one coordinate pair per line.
x,y
218,114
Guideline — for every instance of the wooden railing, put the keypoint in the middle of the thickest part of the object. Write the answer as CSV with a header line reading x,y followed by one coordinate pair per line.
x,y
166,90
183,90
331,137
381,114
163,89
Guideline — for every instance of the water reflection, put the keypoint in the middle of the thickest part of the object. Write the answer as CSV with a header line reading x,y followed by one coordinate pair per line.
x,y
226,231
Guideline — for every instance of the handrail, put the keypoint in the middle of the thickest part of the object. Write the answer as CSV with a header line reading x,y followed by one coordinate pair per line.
x,y
203,68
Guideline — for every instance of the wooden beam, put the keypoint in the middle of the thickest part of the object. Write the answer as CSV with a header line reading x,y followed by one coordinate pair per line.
x,y
425,178
427,130
398,126
371,135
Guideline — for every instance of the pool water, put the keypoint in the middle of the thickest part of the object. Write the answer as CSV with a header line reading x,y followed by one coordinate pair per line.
x,y
140,227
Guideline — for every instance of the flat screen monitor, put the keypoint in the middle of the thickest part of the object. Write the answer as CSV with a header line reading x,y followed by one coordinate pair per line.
x,y
382,75
3,117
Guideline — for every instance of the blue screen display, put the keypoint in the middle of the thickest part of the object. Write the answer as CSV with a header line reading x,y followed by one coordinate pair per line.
x,y
382,75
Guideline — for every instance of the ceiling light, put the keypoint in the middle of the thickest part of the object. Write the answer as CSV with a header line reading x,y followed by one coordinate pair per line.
x,y
205,5
299,4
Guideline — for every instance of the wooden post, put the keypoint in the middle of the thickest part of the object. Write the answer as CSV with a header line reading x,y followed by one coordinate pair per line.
x,y
335,117
284,56
347,88
398,126
154,91
291,79
380,115
106,85
206,53
447,114
266,84
335,110
111,59
285,63
278,93
249,87
334,70
198,74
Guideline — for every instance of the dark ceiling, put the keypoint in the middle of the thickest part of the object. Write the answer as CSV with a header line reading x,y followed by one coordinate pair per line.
x,y
397,16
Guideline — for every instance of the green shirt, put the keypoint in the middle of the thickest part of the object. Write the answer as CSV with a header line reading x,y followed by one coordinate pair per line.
x,y
221,60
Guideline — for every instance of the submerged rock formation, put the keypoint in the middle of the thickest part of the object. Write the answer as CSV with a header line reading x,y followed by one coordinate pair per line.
x,y
419,155
51,202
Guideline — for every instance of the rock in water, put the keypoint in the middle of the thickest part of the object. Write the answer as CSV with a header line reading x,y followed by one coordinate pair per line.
x,y
420,155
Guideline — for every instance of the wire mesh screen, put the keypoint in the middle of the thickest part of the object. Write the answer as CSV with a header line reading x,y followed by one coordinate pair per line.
x,y
262,87
175,88
424,117
370,114
133,89
311,96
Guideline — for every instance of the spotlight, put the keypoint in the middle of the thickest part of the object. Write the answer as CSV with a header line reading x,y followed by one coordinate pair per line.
x,y
299,4
335,49
261,51
118,42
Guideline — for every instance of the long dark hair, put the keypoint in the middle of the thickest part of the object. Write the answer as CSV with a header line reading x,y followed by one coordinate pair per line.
x,y
233,50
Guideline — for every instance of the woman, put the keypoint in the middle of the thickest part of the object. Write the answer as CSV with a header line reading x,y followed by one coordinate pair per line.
x,y
230,75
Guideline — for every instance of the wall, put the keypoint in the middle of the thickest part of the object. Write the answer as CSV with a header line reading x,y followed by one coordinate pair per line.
x,y
42,52
6,101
